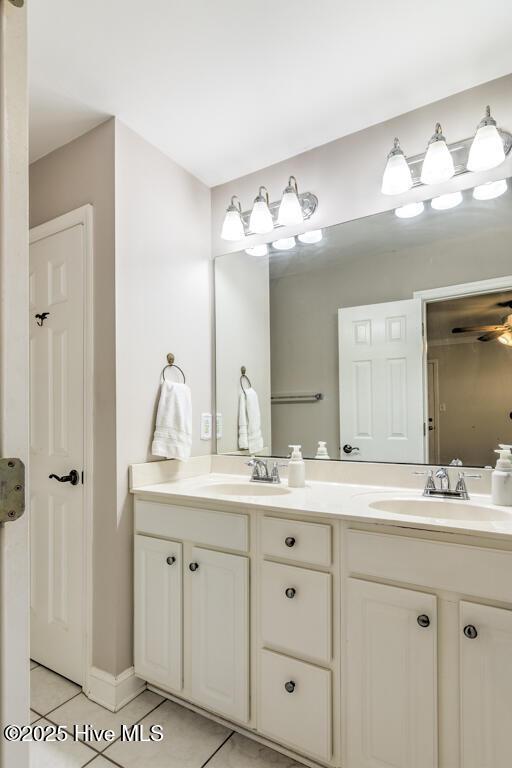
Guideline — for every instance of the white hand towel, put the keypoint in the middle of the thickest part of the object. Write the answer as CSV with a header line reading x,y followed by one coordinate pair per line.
x,y
249,421
173,431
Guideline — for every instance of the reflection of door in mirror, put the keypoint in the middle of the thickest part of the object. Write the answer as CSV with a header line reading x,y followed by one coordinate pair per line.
x,y
433,411
381,382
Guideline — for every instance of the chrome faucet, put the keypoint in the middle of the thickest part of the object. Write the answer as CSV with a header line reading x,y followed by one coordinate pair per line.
x,y
261,473
444,490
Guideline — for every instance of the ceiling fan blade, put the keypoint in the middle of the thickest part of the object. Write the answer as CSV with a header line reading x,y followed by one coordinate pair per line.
x,y
504,304
492,335
476,328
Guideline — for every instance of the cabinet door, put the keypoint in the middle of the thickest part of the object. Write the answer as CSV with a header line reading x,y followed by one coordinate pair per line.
x,y
486,686
220,632
391,677
158,611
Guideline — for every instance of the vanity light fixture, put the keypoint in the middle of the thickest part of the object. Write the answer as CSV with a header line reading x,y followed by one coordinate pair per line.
x,y
258,250
410,210
290,209
438,163
487,150
447,201
284,244
261,220
233,226
397,174
311,237
490,190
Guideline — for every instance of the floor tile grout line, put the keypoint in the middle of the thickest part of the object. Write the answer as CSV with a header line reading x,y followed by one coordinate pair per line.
x,y
60,705
136,722
218,749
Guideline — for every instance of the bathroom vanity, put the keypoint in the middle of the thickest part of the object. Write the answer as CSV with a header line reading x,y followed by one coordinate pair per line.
x,y
344,624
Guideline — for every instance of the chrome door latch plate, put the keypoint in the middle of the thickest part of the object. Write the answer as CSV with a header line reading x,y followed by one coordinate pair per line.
x,y
12,489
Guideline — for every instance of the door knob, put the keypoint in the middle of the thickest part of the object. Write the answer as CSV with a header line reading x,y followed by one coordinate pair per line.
x,y
72,478
470,632
423,620
350,449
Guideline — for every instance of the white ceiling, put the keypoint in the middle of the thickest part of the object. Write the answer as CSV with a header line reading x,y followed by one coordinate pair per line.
x,y
226,87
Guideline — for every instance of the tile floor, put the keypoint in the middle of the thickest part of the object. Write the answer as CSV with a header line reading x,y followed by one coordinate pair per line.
x,y
190,741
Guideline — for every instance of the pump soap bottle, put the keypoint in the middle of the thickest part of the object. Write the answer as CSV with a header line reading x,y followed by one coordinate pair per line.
x,y
296,468
501,482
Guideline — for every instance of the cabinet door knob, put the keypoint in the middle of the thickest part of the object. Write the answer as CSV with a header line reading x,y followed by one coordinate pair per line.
x,y
291,592
423,620
289,541
194,566
171,560
470,632
289,686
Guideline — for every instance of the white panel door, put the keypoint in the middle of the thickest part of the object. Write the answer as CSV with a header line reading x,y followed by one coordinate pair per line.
x,y
486,686
381,382
220,632
391,677
57,447
158,611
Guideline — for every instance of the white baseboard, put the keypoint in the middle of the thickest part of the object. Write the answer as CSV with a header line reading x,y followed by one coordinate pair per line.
x,y
110,691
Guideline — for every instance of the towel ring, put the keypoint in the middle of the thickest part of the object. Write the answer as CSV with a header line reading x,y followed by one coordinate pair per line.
x,y
172,364
243,370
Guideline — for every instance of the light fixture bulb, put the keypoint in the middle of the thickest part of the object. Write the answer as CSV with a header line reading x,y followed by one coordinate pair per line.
x,y
487,149
397,174
410,210
447,201
233,226
284,244
257,250
438,162
261,220
490,190
311,237
290,209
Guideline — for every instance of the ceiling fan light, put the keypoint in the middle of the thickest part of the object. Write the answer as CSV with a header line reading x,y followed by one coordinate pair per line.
x,y
487,150
261,220
410,210
447,201
284,244
257,250
397,174
438,162
311,237
490,190
233,226
290,209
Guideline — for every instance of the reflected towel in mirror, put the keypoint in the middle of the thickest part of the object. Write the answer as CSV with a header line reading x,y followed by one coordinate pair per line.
x,y
249,421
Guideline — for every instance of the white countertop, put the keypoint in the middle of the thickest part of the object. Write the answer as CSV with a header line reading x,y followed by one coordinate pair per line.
x,y
343,501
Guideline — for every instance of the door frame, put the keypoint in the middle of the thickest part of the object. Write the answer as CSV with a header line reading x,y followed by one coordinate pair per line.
x,y
83,216
492,285
434,363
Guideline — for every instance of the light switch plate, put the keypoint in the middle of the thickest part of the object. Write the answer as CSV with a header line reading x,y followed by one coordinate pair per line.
x,y
206,426
218,426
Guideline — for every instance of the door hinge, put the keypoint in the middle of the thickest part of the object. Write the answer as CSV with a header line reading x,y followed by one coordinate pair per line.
x,y
12,489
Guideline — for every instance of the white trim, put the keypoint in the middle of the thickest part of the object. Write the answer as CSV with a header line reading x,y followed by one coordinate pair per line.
x,y
83,216
113,692
493,285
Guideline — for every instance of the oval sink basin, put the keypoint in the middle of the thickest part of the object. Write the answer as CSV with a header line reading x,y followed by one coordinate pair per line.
x,y
244,489
445,510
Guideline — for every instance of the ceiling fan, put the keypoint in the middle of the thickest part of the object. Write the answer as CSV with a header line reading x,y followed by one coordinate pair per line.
x,y
501,332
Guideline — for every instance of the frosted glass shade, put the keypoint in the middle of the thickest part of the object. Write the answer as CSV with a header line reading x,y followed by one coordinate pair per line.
x,y
311,237
445,202
410,210
258,250
438,163
490,190
233,226
397,175
506,339
290,211
486,150
284,244
261,220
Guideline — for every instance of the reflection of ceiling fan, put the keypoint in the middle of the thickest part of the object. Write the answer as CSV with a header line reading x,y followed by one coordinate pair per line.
x,y
501,332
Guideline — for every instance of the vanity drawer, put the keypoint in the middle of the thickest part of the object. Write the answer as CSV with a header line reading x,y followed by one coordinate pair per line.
x,y
467,570
300,717
201,526
296,610
296,540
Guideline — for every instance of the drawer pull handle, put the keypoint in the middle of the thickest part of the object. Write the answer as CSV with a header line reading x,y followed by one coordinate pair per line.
x,y
289,541
289,686
171,560
423,620
470,632
193,567
291,592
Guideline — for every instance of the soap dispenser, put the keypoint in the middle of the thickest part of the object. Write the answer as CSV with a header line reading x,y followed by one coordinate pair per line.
x,y
321,451
296,468
501,483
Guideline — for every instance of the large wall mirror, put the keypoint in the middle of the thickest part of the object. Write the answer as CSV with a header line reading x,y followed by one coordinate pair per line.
x,y
390,339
